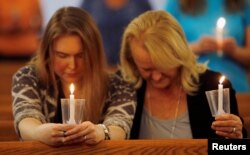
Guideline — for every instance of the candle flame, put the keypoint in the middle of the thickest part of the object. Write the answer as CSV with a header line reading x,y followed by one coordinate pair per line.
x,y
72,88
221,22
222,79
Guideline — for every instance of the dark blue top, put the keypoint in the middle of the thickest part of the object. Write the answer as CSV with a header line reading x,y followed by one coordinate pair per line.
x,y
113,22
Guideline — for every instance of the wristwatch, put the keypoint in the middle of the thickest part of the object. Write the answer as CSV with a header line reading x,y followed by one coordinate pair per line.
x,y
106,131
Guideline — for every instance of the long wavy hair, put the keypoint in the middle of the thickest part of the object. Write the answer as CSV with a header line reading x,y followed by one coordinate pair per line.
x,y
164,40
73,20
195,7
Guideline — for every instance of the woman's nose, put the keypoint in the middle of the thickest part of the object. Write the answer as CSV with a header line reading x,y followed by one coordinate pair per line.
x,y
72,63
156,75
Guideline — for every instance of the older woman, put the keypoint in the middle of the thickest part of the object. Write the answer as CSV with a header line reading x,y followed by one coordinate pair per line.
x,y
171,85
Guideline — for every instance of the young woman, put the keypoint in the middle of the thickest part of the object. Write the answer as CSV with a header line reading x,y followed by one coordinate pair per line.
x,y
71,51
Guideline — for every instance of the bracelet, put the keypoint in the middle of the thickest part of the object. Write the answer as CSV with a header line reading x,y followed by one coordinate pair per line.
x,y
106,131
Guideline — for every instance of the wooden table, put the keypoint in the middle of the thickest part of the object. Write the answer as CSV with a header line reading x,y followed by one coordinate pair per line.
x,y
178,147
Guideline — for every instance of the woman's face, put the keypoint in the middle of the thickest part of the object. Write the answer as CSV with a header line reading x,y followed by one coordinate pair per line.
x,y
157,78
68,58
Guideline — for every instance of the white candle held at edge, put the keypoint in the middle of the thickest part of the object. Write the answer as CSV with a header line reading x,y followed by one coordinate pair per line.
x,y
72,105
221,22
220,96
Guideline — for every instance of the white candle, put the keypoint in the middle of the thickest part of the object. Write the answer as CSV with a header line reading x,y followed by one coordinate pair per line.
x,y
72,105
221,22
220,96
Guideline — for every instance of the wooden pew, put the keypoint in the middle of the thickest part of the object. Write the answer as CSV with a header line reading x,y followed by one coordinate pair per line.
x,y
190,146
6,113
7,69
7,131
243,100
6,108
11,66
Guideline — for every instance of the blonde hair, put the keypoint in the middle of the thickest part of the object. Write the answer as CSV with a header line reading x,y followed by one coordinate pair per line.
x,y
164,39
72,20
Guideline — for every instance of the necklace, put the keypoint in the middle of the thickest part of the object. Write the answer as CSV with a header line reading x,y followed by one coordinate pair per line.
x,y
176,110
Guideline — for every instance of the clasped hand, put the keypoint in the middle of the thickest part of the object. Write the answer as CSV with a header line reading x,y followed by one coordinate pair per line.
x,y
65,134
207,44
228,126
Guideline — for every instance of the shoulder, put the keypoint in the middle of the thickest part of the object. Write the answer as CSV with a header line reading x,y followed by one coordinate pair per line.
x,y
117,85
117,79
26,74
28,70
210,74
210,79
120,93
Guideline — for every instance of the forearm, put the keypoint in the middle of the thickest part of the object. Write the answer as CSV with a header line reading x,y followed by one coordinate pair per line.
x,y
195,48
242,55
48,133
117,133
27,128
204,45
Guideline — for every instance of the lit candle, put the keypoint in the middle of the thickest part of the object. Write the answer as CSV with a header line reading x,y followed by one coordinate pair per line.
x,y
220,96
221,22
72,105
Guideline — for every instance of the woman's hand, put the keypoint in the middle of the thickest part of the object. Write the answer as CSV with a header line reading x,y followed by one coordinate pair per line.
x,y
51,134
228,126
85,132
48,133
205,45
229,46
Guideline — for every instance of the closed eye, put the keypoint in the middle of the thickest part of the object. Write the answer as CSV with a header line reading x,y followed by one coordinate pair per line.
x,y
80,55
147,69
61,55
